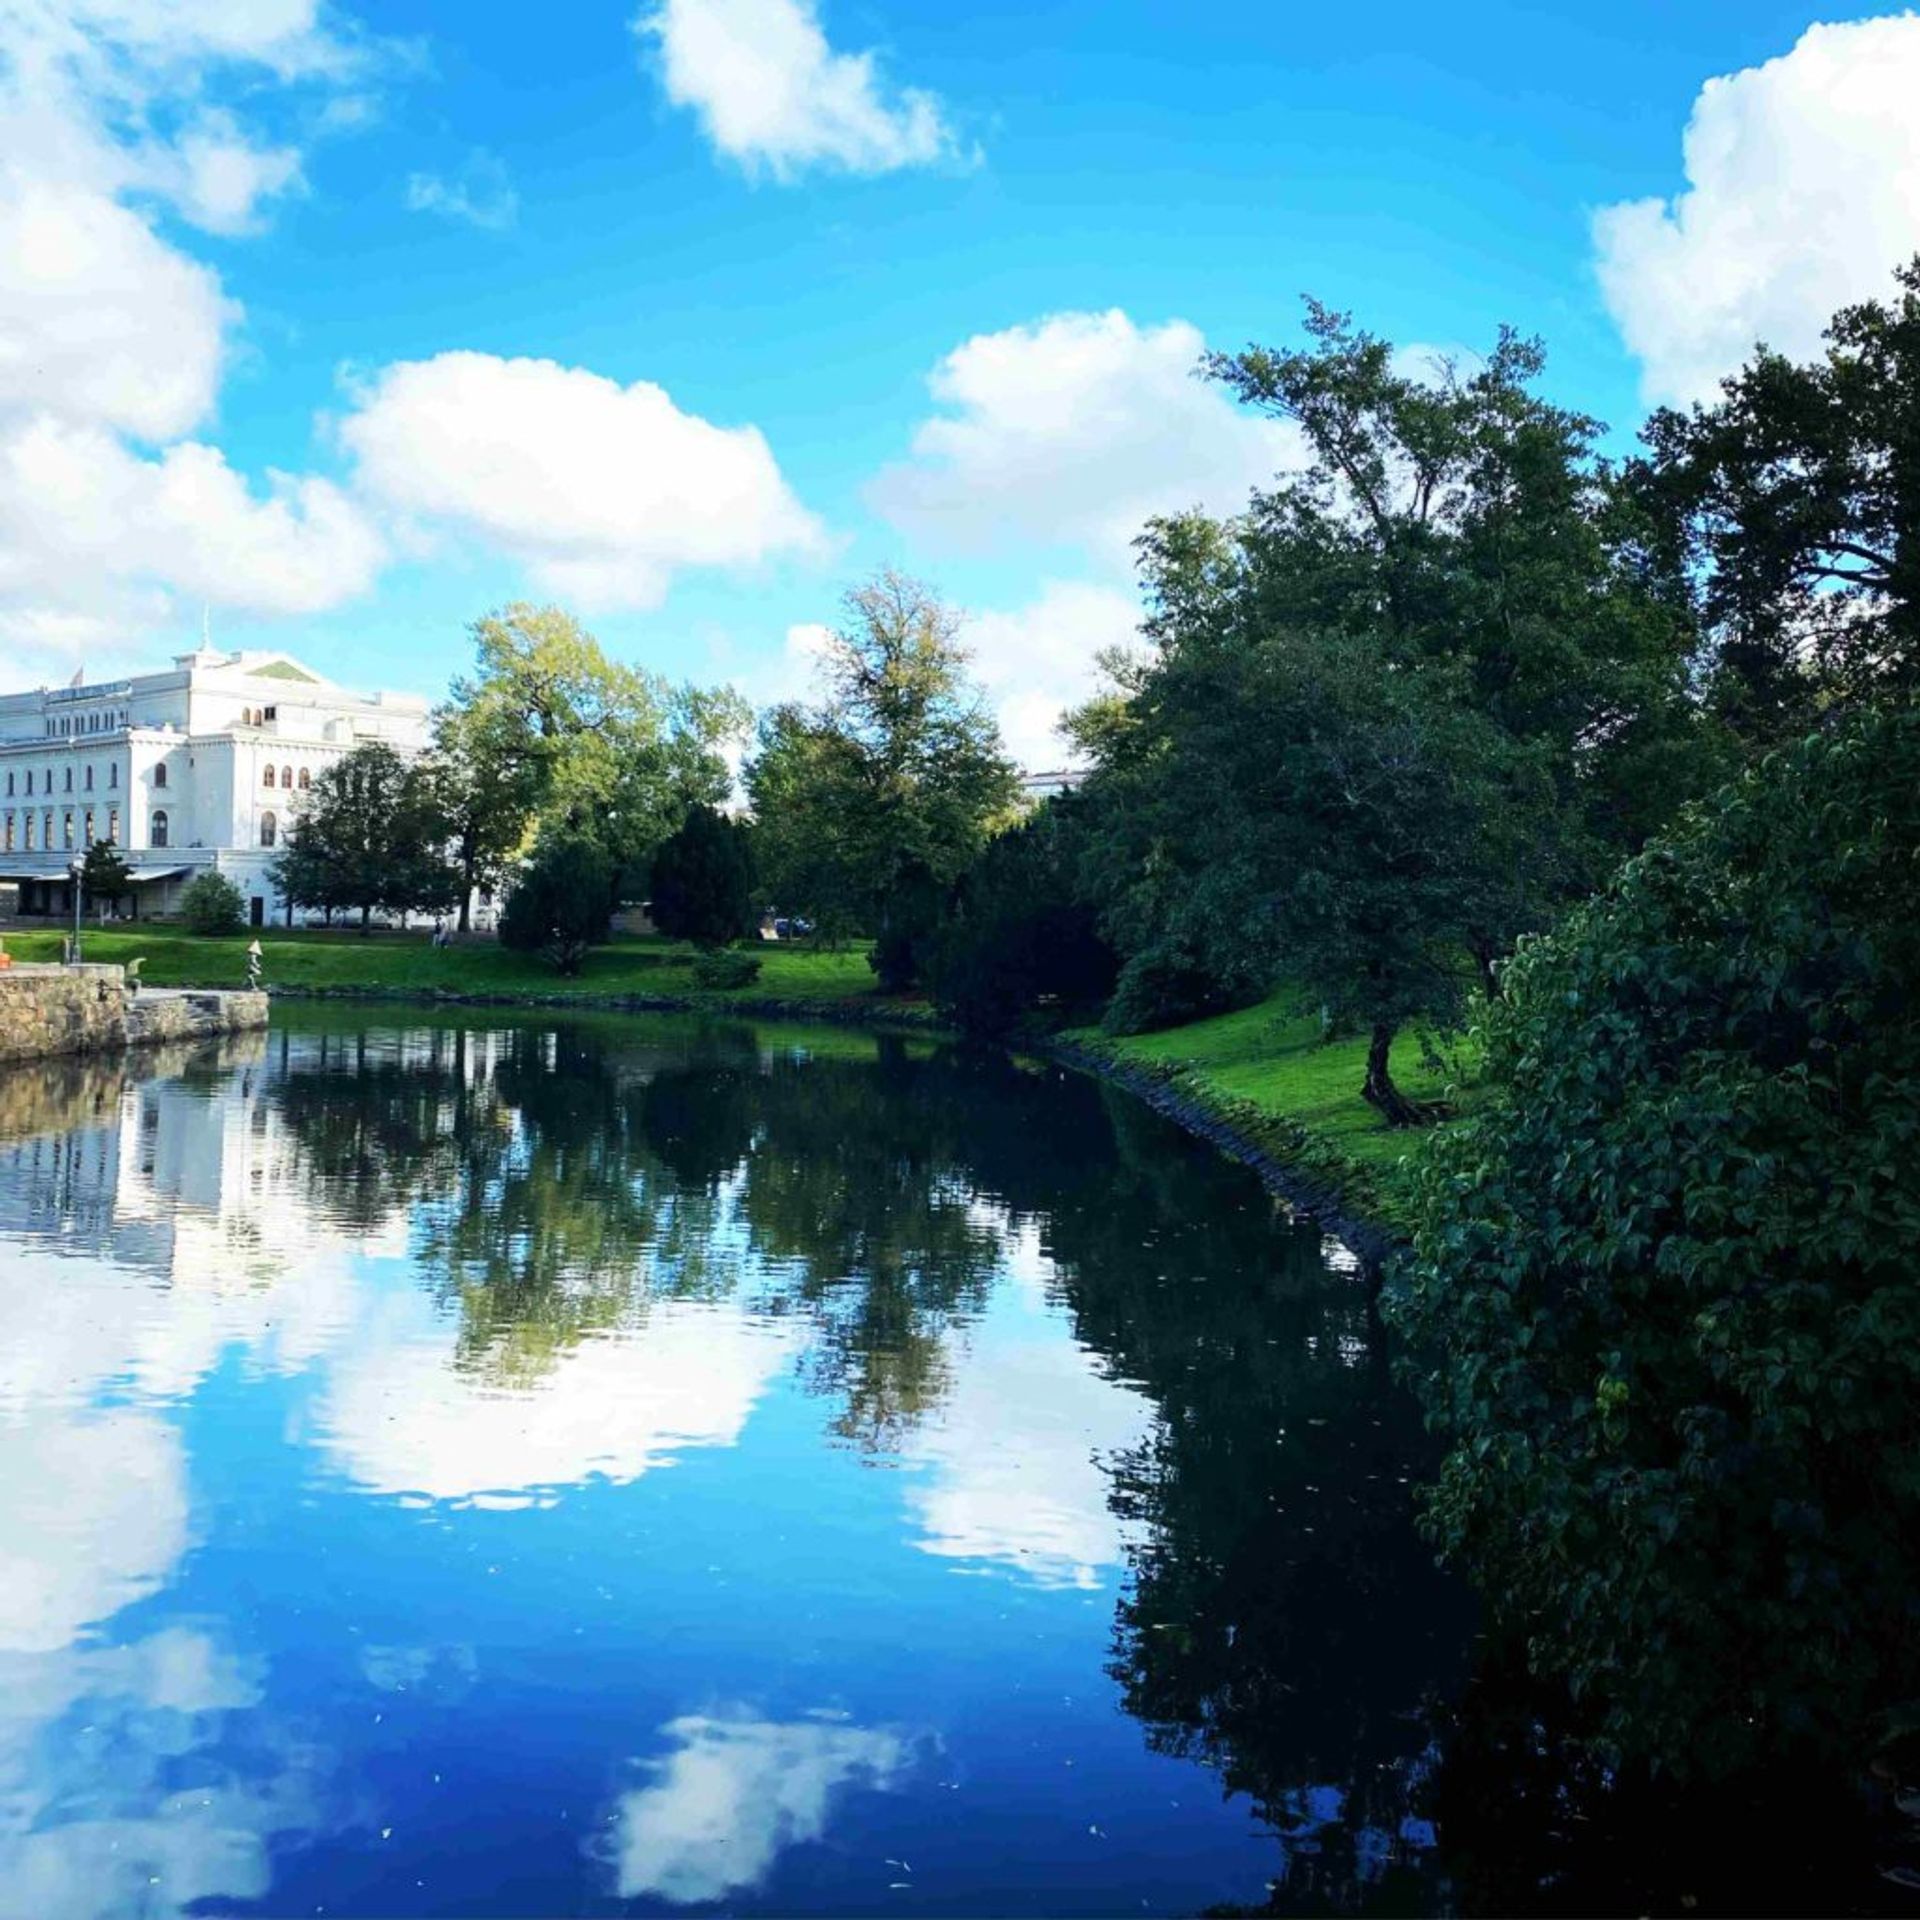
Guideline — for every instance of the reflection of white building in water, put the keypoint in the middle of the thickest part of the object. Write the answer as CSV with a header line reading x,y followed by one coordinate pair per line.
x,y
199,766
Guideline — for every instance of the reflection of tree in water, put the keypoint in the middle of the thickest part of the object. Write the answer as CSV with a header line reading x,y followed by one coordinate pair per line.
x,y
562,1177
379,1124
853,1198
1281,1621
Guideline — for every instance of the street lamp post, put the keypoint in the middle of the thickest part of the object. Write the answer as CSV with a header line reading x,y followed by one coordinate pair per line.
x,y
76,868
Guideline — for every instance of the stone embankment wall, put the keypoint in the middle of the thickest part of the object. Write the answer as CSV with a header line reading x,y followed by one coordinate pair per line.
x,y
46,1011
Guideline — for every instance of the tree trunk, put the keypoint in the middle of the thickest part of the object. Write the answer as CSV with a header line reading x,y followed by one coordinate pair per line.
x,y
1486,957
366,921
1380,1092
467,860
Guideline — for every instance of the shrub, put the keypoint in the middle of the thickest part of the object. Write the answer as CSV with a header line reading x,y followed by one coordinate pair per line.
x,y
702,881
725,969
910,916
1016,937
1167,985
561,903
212,904
1661,1296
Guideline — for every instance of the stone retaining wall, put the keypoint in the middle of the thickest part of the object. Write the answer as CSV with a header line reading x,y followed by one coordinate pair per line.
x,y
48,1011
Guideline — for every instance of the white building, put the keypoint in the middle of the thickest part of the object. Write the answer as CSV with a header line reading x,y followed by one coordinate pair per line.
x,y
200,766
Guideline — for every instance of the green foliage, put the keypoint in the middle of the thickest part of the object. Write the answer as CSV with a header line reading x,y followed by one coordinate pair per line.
x,y
560,902
212,904
1400,711
1016,936
104,874
1661,1295
897,772
549,733
371,834
909,922
703,887
1168,984
725,970
1783,515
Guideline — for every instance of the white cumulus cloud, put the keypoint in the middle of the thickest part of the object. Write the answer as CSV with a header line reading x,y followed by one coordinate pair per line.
x,y
1076,429
602,492
1038,660
114,341
1802,194
772,94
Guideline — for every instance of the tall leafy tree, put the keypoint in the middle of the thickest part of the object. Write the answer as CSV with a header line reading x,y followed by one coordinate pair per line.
x,y
894,778
548,732
1403,709
1786,515
371,834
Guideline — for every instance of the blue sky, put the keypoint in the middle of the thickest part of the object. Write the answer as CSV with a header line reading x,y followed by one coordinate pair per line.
x,y
348,324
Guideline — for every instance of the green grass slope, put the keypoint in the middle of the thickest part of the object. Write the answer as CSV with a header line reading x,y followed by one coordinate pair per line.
x,y
1267,1072
409,963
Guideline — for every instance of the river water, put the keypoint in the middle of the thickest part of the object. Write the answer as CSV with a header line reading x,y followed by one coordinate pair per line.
x,y
535,1467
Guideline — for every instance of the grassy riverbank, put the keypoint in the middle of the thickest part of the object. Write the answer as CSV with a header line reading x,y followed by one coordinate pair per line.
x,y
1264,1071
409,963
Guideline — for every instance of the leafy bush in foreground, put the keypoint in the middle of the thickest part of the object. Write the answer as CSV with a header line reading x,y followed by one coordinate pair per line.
x,y
1662,1298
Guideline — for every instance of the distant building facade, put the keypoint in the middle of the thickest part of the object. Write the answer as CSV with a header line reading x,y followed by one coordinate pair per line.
x,y
200,766
1051,783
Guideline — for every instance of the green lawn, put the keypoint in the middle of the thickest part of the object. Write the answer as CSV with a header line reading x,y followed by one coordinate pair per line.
x,y
1267,1069
409,962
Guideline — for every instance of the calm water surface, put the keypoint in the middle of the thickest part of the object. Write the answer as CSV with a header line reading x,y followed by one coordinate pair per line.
x,y
639,1465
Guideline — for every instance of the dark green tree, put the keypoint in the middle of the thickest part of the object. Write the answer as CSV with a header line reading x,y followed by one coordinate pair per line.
x,y
1787,516
894,779
104,875
559,903
703,885
1413,702
371,835
1661,1295
1016,936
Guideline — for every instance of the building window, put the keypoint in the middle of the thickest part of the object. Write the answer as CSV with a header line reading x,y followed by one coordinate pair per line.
x,y
306,779
69,774
268,780
87,826
29,833
160,774
9,833
269,826
113,774
286,778
89,782
67,823
29,780
113,825
9,786
157,830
